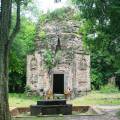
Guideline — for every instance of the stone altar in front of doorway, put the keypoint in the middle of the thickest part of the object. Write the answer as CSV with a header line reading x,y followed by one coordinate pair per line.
x,y
59,41
51,107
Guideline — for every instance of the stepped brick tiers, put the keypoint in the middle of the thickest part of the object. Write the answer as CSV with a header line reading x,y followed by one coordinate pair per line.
x,y
59,65
51,107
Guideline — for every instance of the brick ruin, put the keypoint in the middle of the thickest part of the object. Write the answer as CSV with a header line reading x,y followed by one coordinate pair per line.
x,y
59,61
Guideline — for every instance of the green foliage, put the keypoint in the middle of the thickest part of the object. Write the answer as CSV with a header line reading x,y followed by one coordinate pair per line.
x,y
101,30
27,88
57,57
42,35
96,79
59,14
51,59
109,89
48,59
22,45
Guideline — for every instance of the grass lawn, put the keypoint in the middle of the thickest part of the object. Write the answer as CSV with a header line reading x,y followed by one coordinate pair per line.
x,y
98,98
93,98
21,100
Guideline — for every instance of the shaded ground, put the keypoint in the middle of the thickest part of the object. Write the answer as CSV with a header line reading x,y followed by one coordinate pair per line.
x,y
103,117
110,114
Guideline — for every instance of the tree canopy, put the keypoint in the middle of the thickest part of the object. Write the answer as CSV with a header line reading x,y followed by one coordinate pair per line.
x,y
101,35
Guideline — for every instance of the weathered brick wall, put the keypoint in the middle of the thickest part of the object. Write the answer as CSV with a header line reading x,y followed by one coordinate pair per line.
x,y
74,61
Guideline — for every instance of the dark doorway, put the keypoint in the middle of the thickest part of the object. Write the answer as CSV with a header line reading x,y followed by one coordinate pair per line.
x,y
58,83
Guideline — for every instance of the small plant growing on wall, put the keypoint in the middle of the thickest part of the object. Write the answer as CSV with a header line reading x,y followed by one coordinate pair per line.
x,y
42,35
48,59
57,57
28,90
51,59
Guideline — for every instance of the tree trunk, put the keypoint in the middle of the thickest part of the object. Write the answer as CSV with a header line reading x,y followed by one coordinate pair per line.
x,y
4,52
4,107
5,44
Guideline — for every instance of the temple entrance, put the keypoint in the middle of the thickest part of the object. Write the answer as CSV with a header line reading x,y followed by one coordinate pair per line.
x,y
58,83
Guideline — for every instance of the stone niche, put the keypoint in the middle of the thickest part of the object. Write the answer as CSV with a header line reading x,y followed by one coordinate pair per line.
x,y
71,70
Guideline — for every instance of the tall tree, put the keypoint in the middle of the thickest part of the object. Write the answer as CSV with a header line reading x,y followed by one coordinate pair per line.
x,y
6,39
101,31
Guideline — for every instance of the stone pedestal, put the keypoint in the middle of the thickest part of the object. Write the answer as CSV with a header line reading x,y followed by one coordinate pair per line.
x,y
51,107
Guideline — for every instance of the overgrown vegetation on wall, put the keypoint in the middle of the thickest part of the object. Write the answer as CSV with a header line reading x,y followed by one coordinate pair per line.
x,y
51,59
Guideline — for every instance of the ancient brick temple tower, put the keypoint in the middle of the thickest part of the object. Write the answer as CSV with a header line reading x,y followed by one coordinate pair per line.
x,y
59,61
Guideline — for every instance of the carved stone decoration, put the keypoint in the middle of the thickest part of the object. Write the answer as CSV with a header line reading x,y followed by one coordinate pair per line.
x,y
34,75
68,93
83,63
34,79
33,63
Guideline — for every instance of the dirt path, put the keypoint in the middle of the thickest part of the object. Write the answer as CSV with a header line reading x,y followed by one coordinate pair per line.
x,y
110,114
102,117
